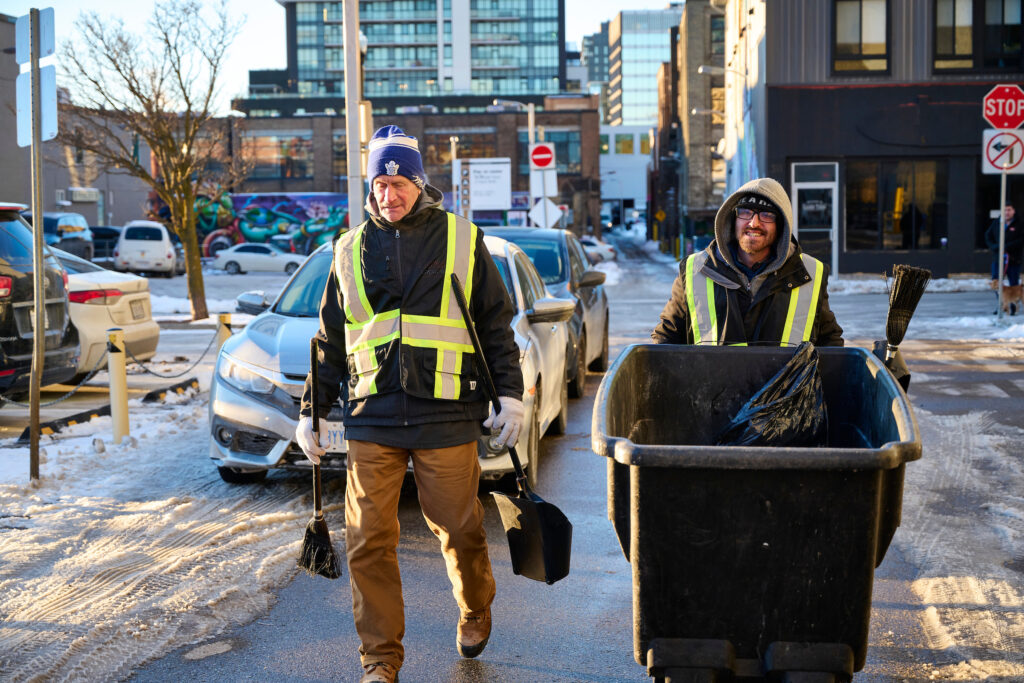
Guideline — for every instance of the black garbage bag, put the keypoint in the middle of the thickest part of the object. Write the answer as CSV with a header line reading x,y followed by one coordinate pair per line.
x,y
789,410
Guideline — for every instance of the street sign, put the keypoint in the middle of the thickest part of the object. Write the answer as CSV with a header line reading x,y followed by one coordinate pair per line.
x,y
1002,149
546,213
1003,106
544,183
659,215
23,39
47,105
542,156
490,184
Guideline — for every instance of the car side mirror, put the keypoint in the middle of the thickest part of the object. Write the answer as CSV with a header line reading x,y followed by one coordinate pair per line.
x,y
592,278
252,302
551,310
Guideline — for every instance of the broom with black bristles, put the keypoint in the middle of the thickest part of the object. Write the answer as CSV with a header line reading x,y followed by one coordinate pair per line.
x,y
908,284
318,555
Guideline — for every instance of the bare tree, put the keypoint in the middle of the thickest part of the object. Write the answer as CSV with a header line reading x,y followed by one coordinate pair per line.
x,y
157,89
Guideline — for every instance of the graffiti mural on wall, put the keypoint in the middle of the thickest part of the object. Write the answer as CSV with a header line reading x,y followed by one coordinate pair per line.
x,y
294,221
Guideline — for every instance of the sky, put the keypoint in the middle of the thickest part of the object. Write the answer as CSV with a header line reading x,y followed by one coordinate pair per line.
x,y
261,45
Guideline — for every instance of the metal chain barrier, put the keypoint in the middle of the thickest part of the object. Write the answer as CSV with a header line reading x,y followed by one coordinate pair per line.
x,y
142,364
95,369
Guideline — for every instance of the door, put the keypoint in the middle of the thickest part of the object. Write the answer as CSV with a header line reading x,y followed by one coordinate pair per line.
x,y
815,194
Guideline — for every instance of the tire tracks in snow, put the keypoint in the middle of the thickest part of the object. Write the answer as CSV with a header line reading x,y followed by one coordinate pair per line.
x,y
120,565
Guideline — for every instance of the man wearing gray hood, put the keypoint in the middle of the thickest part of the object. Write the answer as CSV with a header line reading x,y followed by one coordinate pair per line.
x,y
752,285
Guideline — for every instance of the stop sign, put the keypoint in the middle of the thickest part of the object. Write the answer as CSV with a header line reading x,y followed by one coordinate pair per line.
x,y
1003,106
542,156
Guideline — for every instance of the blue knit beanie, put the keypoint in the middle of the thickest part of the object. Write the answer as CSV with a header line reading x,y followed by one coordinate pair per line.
x,y
392,152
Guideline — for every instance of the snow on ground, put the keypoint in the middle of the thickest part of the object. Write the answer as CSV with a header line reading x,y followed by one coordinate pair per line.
x,y
163,305
611,270
963,515
121,553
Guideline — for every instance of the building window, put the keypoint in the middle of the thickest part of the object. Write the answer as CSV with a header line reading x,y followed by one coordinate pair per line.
x,y
568,154
973,34
339,155
623,143
861,36
284,155
604,144
645,144
896,205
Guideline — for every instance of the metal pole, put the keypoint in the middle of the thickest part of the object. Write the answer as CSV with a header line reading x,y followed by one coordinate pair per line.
x,y
352,97
116,368
531,128
453,140
38,270
1002,241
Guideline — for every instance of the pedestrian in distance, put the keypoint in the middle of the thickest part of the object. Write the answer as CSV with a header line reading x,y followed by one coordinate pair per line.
x,y
1013,252
752,284
393,343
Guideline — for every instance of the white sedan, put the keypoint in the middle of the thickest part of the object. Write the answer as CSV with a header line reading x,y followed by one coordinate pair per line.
x,y
100,299
246,257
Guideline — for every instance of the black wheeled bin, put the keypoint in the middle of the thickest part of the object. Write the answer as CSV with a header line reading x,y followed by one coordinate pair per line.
x,y
750,562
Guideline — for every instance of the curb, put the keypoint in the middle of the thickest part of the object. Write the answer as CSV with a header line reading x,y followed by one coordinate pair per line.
x,y
54,426
179,388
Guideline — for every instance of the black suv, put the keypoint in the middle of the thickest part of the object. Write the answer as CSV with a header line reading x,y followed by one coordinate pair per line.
x,y
16,322
67,231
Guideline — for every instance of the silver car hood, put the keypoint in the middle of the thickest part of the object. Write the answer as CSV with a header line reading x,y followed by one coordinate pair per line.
x,y
278,343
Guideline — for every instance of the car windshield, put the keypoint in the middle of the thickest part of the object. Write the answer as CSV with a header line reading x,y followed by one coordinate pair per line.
x,y
144,234
547,258
301,298
16,244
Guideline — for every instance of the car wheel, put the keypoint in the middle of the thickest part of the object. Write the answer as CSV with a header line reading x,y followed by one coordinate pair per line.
x,y
232,268
291,268
234,476
561,421
600,364
533,451
579,380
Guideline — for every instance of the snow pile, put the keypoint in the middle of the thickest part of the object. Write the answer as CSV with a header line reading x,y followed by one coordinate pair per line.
x,y
122,553
611,270
164,305
879,285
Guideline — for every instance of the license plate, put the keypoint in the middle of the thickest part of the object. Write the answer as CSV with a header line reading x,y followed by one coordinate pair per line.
x,y
335,433
138,310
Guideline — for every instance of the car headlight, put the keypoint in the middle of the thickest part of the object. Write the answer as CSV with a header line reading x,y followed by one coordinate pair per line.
x,y
242,377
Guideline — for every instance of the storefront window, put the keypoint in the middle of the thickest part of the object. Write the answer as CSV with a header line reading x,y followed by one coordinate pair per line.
x,y
604,144
623,143
280,156
896,204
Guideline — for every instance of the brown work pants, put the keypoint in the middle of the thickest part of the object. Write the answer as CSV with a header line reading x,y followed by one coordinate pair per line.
x,y
447,481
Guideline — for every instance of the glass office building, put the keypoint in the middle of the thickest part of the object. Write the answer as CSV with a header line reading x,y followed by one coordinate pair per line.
x,y
419,49
639,41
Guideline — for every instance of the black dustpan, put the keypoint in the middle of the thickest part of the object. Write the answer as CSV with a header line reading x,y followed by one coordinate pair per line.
x,y
539,535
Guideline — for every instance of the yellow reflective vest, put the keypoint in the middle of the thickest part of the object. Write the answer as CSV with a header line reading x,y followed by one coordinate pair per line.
x,y
429,335
704,318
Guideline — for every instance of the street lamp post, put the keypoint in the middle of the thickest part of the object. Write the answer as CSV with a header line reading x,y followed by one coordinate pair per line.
x,y
531,127
353,94
453,140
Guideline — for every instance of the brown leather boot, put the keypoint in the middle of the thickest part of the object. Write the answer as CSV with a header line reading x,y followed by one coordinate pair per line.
x,y
379,672
474,630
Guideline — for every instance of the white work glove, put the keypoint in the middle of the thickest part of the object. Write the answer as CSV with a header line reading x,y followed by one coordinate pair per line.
x,y
307,440
509,421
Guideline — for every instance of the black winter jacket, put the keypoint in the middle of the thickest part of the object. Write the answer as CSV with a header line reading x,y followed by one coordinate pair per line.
x,y
396,257
1013,244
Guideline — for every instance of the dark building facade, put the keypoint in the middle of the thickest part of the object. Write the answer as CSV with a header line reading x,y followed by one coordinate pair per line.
x,y
874,124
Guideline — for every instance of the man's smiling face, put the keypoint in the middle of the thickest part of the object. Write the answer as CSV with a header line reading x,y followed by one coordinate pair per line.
x,y
755,237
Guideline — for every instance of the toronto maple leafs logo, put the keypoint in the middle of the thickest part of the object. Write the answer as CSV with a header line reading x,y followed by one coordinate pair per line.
x,y
391,167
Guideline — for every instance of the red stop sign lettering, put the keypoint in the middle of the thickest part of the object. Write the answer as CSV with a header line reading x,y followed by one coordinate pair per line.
x,y
1003,106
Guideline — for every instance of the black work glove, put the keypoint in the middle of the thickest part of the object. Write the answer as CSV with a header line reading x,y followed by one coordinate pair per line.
x,y
896,365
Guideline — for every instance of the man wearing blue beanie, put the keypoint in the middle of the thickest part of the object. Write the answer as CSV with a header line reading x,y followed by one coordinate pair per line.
x,y
393,345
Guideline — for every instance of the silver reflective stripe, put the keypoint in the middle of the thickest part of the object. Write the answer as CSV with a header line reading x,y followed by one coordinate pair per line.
x,y
426,332
364,360
459,260
700,301
347,270
365,386
803,304
380,329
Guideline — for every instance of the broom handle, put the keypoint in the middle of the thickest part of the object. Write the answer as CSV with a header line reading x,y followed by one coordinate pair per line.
x,y
318,512
485,372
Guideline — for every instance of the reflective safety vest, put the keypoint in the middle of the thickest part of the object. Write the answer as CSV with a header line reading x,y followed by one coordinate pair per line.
x,y
700,302
368,333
